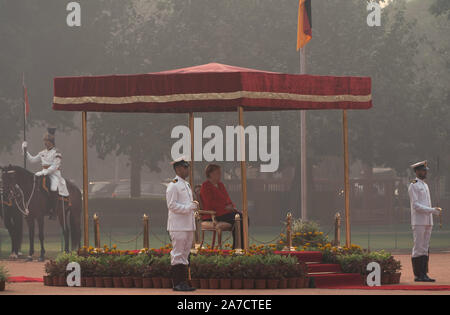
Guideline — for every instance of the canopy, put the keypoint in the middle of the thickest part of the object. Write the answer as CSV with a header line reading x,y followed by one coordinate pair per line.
x,y
210,88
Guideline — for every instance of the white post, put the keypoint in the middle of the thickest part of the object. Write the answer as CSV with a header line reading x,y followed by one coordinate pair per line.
x,y
303,181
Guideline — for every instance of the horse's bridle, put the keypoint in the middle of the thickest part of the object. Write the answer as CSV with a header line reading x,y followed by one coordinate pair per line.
x,y
17,192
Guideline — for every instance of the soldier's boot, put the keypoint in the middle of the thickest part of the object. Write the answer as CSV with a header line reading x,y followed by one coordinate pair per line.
x,y
421,268
53,204
416,269
425,269
180,282
176,276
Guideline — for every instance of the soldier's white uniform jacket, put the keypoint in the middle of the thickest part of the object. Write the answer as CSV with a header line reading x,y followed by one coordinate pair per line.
x,y
181,206
421,210
51,166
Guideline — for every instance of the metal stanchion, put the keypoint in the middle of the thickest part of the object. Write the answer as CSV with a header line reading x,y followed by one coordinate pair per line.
x,y
337,229
289,246
146,232
237,233
198,227
97,231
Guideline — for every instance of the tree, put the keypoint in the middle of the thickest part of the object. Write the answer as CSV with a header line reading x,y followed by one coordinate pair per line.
x,y
441,7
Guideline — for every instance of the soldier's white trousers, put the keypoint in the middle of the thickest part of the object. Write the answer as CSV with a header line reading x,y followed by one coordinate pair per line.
x,y
58,183
422,235
181,247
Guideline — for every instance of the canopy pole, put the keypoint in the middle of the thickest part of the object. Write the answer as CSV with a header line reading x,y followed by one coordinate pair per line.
x,y
346,180
85,180
191,169
303,170
243,179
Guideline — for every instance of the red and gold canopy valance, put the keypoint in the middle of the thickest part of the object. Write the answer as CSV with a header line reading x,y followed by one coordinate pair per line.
x,y
210,88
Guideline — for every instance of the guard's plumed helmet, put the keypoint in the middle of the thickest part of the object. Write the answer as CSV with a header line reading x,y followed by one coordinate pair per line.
x,y
50,135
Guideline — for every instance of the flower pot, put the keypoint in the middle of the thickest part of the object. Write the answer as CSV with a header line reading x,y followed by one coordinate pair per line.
x,y
300,283
99,282
195,283
225,284
108,282
127,282
166,283
283,284
90,282
147,283
117,282
260,284
48,281
157,283
137,282
272,283
214,284
62,282
248,284
292,283
395,278
204,284
2,285
385,278
236,284
306,285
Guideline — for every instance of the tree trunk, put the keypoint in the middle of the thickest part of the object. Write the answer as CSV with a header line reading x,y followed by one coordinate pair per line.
x,y
135,174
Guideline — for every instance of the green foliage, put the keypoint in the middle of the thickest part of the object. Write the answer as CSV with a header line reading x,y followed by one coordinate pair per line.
x,y
305,235
357,262
4,274
211,266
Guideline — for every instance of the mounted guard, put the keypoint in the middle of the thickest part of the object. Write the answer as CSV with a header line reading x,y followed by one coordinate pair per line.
x,y
50,159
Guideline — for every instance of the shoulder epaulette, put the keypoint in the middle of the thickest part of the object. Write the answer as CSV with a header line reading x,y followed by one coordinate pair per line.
x,y
414,181
175,180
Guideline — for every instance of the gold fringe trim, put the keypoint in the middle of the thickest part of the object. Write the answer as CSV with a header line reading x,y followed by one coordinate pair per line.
x,y
210,96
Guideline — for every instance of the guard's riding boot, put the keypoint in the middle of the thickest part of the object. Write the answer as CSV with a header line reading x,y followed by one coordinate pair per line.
x,y
180,282
426,259
53,205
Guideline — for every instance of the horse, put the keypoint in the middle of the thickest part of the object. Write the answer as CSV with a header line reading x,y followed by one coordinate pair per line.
x,y
32,196
13,222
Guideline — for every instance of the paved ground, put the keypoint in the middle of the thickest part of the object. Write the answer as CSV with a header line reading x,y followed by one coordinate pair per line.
x,y
439,266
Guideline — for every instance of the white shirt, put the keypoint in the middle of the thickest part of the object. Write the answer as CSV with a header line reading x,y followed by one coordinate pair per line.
x,y
180,205
421,210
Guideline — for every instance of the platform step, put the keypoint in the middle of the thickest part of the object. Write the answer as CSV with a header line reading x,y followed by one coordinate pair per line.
x,y
319,268
337,280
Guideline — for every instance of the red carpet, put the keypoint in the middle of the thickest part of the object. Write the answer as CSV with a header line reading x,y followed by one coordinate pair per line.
x,y
24,279
330,268
395,287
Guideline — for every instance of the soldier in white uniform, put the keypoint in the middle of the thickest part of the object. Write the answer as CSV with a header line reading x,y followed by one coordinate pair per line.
x,y
50,159
421,221
181,224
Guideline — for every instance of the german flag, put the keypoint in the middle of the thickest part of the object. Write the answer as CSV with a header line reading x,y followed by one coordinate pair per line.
x,y
304,30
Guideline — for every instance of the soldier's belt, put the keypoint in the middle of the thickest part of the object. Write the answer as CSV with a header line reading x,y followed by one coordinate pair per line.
x,y
48,166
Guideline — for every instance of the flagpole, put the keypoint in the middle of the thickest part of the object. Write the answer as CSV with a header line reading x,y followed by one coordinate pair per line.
x,y
303,178
24,121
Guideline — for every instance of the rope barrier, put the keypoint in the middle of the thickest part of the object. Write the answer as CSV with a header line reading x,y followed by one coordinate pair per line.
x,y
265,243
126,242
157,238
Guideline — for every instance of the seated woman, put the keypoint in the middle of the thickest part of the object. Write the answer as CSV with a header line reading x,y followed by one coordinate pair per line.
x,y
214,196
